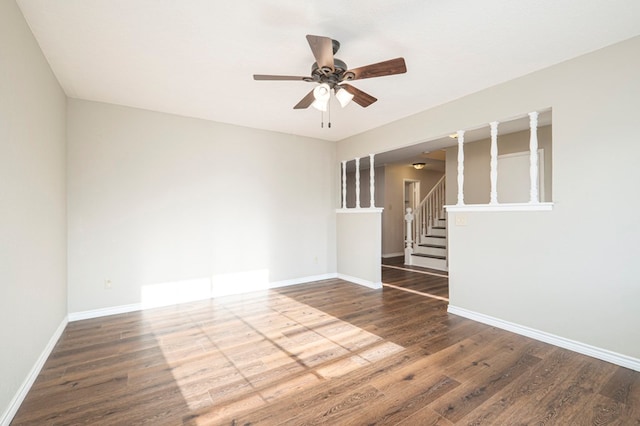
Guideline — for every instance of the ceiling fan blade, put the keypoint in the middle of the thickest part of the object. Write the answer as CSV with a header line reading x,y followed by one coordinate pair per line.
x,y
306,101
361,98
390,67
277,77
322,48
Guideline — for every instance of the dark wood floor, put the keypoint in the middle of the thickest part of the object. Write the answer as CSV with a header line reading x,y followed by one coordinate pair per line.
x,y
329,352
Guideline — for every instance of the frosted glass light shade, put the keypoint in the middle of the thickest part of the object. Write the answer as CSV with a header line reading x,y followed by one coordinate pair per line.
x,y
320,105
322,92
343,96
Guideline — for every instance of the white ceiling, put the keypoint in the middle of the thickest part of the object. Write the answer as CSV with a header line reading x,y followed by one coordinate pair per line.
x,y
197,57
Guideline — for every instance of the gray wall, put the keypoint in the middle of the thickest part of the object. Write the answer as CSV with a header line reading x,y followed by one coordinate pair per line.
x,y
570,272
157,200
33,295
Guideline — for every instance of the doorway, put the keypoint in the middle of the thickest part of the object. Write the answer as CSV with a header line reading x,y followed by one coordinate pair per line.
x,y
411,194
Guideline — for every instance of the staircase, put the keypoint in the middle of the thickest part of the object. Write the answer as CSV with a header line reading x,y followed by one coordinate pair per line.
x,y
427,231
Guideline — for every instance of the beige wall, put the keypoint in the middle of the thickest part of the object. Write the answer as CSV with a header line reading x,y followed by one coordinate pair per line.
x,y
359,247
545,270
33,295
157,199
477,157
365,188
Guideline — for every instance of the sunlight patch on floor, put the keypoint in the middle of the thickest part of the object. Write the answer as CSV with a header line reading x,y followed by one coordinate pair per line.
x,y
277,347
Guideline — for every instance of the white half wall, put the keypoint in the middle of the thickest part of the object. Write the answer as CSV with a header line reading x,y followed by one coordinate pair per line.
x,y
158,201
359,246
33,291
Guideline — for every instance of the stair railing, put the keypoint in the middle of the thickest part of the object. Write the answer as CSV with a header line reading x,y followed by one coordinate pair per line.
x,y
430,209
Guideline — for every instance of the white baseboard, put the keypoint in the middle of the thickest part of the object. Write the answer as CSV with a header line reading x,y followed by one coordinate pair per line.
x,y
360,281
103,312
123,309
19,397
385,256
303,280
572,345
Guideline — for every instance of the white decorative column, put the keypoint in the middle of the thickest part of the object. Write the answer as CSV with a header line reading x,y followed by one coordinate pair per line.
x,y
460,167
372,185
357,183
344,184
494,162
408,248
533,157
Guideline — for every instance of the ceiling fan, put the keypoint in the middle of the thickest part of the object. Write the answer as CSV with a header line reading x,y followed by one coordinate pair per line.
x,y
331,74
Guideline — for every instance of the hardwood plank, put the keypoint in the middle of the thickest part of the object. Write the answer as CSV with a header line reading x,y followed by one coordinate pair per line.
x,y
482,382
568,397
327,352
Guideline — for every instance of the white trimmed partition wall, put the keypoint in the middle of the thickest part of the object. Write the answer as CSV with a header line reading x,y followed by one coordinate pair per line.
x,y
359,233
494,205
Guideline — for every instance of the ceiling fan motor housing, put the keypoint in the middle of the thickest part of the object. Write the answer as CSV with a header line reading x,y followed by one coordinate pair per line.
x,y
329,76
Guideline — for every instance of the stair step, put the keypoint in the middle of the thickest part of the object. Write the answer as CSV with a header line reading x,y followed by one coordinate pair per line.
x,y
429,262
432,246
437,232
436,240
436,250
431,256
438,227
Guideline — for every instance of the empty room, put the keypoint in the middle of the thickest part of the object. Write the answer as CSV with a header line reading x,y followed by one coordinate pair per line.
x,y
285,212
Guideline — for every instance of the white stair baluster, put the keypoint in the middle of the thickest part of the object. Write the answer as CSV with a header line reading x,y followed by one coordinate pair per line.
x,y
533,157
494,162
372,185
408,248
357,183
344,184
460,167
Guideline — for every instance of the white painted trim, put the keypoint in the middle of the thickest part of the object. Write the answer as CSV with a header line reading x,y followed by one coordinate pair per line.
x,y
415,190
303,280
19,397
103,312
400,253
123,309
360,281
361,210
506,207
572,345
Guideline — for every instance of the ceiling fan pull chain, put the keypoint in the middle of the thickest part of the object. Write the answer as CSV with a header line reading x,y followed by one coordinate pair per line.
x,y
329,112
321,120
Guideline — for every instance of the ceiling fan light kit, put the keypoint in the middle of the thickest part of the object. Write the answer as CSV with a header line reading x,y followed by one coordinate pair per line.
x,y
331,73
321,94
343,96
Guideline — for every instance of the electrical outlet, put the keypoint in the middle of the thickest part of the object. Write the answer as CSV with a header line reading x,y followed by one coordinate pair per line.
x,y
108,284
461,219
